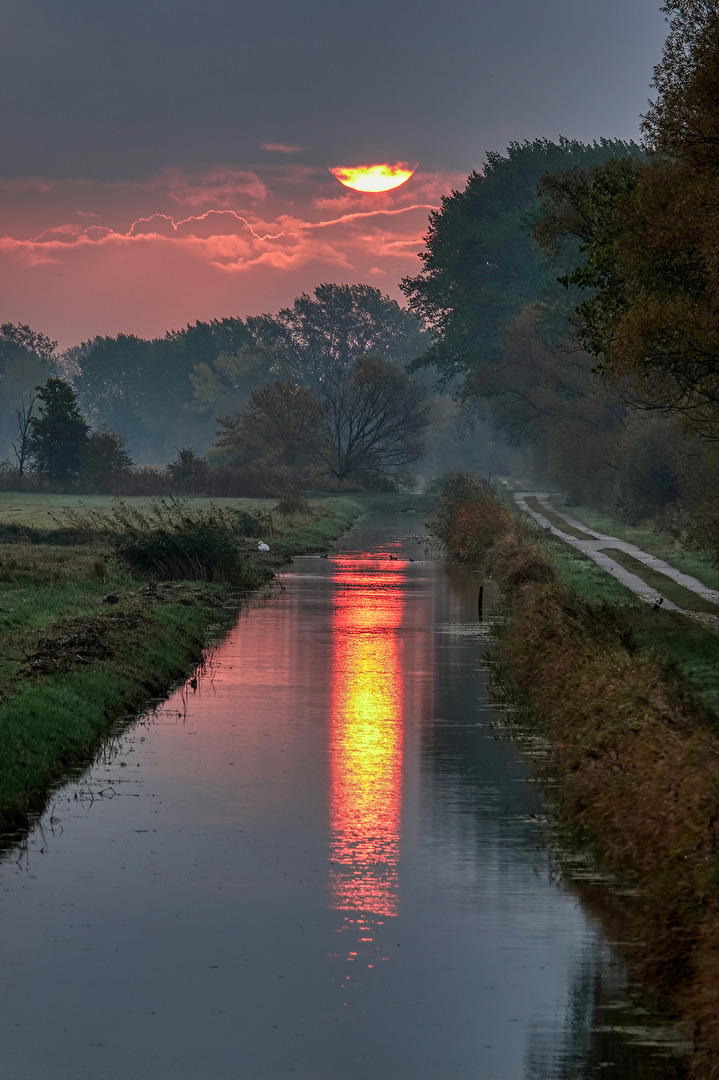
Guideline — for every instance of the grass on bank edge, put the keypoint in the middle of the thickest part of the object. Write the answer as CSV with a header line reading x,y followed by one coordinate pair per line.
x,y
689,648
648,539
634,758
58,703
55,723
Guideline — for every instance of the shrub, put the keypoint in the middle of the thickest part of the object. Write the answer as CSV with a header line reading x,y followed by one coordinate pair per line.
x,y
188,472
476,526
203,551
292,504
174,540
123,521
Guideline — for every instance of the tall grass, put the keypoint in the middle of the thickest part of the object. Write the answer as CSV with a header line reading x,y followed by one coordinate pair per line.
x,y
175,541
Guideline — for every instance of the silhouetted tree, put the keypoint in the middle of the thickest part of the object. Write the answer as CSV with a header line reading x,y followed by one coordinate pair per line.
x,y
373,419
280,426
188,470
336,327
26,359
21,446
59,433
105,461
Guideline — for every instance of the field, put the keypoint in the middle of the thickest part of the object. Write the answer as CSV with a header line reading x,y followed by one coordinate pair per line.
x,y
46,511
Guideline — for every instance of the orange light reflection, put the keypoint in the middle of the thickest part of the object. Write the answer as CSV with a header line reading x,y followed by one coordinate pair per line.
x,y
366,736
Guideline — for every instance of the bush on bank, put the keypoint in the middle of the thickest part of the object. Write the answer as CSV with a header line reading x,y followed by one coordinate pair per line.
x,y
636,755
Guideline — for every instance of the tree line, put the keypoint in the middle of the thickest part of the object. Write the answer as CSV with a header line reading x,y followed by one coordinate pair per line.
x,y
316,395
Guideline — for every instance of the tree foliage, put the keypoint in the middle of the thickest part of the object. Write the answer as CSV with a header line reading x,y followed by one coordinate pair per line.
x,y
278,427
649,238
105,461
147,388
369,419
59,433
334,328
225,385
143,387
480,266
683,121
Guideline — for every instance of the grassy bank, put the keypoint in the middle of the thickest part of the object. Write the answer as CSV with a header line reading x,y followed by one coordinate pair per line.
x,y
636,751
648,538
84,643
689,646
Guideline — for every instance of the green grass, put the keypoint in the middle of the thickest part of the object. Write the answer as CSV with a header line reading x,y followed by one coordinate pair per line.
x,y
584,576
690,648
687,645
664,585
46,511
655,542
72,664
54,723
557,520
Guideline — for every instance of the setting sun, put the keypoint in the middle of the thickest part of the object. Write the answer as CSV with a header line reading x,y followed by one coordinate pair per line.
x,y
373,177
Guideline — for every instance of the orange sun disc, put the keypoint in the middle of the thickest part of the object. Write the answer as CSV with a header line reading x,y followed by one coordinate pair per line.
x,y
373,177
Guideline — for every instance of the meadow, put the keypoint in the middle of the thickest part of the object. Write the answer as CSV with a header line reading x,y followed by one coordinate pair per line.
x,y
41,511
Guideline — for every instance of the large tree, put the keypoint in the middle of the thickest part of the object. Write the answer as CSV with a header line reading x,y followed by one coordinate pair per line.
x,y
480,266
59,433
649,238
334,328
143,387
373,420
278,427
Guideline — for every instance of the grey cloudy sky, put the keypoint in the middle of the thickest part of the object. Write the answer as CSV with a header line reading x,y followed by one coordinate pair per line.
x,y
135,191
116,89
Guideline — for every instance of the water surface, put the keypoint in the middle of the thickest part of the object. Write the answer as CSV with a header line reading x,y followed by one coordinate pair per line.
x,y
321,863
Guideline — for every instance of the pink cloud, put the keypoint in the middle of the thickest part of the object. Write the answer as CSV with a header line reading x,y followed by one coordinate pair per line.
x,y
141,267
281,148
222,187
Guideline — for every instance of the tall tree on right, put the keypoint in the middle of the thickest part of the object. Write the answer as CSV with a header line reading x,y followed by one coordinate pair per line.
x,y
649,237
480,266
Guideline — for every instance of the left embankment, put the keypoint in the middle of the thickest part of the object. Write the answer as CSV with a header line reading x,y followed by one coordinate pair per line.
x,y
95,630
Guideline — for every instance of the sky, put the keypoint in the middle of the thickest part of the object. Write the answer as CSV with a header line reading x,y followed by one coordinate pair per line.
x,y
168,160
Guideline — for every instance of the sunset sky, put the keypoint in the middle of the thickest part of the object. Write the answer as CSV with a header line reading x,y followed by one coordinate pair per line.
x,y
164,162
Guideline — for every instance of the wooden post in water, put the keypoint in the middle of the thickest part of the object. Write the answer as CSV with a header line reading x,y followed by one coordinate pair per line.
x,y
480,599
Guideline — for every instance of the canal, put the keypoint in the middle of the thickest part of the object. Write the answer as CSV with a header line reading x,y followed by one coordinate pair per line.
x,y
317,860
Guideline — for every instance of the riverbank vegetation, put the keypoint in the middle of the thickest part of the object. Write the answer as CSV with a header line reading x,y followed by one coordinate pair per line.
x,y
635,737
94,629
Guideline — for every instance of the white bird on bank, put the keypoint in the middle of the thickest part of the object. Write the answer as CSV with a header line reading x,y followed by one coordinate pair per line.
x,y
262,546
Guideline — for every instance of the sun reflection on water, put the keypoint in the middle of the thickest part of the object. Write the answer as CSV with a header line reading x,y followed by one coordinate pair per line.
x,y
366,736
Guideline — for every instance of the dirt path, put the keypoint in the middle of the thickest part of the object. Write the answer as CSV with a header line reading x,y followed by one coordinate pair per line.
x,y
594,548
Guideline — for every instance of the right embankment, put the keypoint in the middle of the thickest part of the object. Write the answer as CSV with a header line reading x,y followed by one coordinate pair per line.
x,y
636,753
